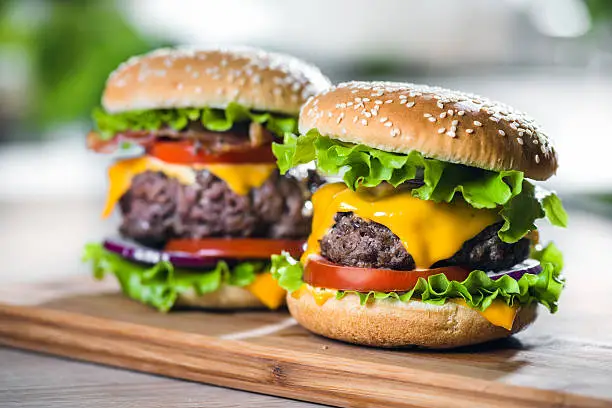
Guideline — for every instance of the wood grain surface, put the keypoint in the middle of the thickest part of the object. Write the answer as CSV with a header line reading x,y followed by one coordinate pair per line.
x,y
563,360
32,380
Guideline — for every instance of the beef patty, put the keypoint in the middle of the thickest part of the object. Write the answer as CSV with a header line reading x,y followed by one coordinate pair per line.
x,y
157,208
353,241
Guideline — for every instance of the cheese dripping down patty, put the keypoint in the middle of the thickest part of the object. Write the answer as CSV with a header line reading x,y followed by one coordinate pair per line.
x,y
240,178
429,231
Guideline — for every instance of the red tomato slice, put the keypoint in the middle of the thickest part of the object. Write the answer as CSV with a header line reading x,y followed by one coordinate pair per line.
x,y
185,152
236,248
324,274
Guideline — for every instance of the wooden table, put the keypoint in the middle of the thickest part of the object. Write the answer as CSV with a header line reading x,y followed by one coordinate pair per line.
x,y
32,380
28,379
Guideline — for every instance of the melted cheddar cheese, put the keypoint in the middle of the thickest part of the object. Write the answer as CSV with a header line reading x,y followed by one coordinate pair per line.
x,y
498,313
241,178
429,231
265,288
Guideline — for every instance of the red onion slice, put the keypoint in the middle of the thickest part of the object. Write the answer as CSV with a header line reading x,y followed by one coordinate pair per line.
x,y
139,253
517,271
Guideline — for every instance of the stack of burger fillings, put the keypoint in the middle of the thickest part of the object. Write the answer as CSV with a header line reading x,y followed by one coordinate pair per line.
x,y
430,238
204,207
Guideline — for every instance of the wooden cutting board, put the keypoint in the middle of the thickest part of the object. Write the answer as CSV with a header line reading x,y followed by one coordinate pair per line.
x,y
561,361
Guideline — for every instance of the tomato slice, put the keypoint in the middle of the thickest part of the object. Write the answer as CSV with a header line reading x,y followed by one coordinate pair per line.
x,y
236,248
321,273
185,152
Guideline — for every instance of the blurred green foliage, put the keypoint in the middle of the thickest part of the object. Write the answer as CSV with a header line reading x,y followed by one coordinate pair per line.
x,y
600,10
70,47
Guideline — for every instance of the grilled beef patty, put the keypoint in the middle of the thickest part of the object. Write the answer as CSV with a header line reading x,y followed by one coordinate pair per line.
x,y
157,208
353,241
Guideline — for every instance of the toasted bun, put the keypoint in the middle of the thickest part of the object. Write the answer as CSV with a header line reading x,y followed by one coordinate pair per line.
x,y
392,323
443,124
226,298
191,78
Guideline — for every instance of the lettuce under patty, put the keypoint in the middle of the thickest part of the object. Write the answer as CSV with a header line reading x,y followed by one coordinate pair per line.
x,y
217,120
520,202
478,290
161,284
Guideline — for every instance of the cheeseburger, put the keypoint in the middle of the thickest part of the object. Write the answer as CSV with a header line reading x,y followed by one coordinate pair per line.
x,y
429,240
202,204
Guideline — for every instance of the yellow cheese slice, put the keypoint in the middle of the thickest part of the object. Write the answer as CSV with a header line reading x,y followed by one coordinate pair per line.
x,y
241,178
429,231
267,290
498,313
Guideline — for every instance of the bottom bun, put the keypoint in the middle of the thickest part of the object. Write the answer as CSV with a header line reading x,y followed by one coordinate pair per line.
x,y
393,323
226,297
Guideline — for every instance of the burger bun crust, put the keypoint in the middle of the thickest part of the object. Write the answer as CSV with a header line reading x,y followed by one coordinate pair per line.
x,y
393,323
173,78
227,297
440,123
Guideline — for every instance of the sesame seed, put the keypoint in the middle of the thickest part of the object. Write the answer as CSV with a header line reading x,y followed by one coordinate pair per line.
x,y
374,112
355,119
521,133
364,122
501,132
461,113
354,91
344,131
519,140
441,130
535,141
442,115
357,99
427,115
395,132
388,124
477,123
431,119
383,119
451,134
543,148
367,114
403,97
494,118
365,99
410,104
440,105
389,101
450,112
378,102
537,158
455,122
349,104
469,131
453,128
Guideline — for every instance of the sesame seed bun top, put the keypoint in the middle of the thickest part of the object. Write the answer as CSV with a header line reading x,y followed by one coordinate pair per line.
x,y
442,124
194,78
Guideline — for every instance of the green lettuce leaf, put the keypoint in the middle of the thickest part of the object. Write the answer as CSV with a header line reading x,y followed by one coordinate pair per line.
x,y
159,285
520,205
478,290
218,120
